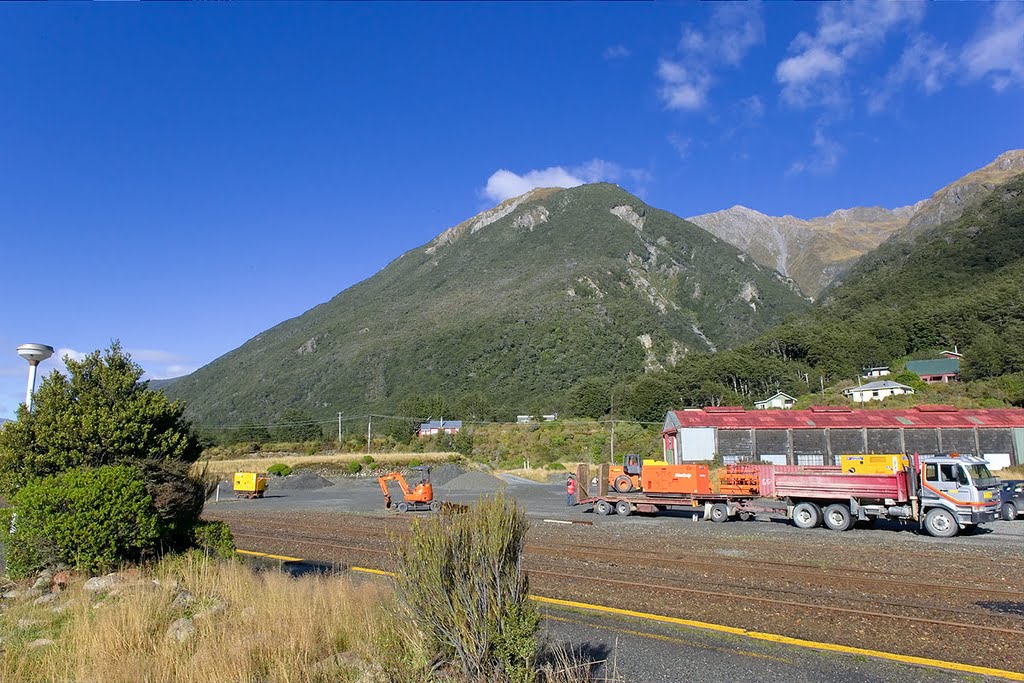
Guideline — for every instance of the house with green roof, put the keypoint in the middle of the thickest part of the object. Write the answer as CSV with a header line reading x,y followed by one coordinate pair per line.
x,y
937,370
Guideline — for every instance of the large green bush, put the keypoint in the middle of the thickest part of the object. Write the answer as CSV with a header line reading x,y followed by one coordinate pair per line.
x,y
461,578
91,518
279,470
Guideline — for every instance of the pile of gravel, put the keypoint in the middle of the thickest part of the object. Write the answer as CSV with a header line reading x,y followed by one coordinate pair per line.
x,y
303,479
475,481
442,474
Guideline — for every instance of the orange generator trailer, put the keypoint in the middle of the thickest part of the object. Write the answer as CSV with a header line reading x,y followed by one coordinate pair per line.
x,y
657,476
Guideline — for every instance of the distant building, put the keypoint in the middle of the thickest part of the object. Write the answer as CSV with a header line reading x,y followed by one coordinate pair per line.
x,y
550,418
779,400
877,391
942,370
880,371
523,419
955,353
820,435
436,426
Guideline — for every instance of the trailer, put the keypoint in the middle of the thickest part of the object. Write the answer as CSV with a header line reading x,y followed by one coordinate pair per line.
x,y
941,493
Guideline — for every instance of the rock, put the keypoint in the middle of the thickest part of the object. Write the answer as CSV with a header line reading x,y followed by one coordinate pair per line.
x,y
40,642
102,584
183,600
181,630
11,595
26,623
211,611
34,592
43,582
46,599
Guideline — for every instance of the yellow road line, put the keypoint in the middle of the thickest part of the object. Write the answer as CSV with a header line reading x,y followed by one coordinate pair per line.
x,y
669,639
283,558
756,635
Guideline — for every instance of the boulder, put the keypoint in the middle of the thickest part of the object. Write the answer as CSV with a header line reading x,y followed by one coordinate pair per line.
x,y
181,630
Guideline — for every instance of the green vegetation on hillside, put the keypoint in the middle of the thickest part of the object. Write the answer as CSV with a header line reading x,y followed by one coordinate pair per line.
x,y
505,320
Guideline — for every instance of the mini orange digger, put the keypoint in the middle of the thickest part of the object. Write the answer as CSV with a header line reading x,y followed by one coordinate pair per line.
x,y
418,499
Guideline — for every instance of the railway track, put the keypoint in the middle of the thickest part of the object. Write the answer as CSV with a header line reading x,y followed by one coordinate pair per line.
x,y
713,589
785,570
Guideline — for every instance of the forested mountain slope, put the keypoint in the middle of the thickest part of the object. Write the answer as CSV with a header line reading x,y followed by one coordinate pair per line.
x,y
506,311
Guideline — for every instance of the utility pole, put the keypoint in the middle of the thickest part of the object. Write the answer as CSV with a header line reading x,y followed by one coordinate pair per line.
x,y
369,426
339,431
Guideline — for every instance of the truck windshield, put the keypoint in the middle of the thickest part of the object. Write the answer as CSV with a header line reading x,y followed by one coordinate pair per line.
x,y
979,473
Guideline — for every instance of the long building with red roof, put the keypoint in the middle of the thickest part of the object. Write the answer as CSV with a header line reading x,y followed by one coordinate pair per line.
x,y
819,435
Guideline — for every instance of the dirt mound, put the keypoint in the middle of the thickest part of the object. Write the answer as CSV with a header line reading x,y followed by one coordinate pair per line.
x,y
442,474
299,480
475,481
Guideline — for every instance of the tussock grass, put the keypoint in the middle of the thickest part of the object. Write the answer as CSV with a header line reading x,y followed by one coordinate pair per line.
x,y
1008,473
223,468
264,627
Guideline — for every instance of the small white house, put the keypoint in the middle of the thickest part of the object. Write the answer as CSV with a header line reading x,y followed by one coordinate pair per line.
x,y
877,391
523,419
880,371
779,400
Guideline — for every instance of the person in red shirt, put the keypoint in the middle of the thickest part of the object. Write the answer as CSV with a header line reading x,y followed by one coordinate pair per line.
x,y
570,489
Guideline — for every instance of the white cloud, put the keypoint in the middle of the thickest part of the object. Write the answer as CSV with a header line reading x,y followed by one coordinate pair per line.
x,y
813,76
823,160
680,144
141,356
504,184
996,52
687,77
923,62
616,52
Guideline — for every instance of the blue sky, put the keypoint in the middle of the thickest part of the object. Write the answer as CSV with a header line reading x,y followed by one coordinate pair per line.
x,y
194,174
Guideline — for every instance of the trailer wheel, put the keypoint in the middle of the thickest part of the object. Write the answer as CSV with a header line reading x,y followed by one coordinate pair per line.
x,y
435,505
719,512
941,523
403,507
838,517
603,507
623,484
623,508
806,515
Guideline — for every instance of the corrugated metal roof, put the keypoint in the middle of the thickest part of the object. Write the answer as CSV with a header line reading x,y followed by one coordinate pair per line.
x,y
939,366
847,418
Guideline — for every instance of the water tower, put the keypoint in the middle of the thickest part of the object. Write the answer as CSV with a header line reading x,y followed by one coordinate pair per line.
x,y
34,354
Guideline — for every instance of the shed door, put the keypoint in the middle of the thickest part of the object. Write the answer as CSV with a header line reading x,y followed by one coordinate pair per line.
x,y
696,443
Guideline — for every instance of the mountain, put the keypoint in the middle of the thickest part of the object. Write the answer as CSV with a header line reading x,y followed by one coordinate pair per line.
x,y
514,305
959,282
812,252
816,252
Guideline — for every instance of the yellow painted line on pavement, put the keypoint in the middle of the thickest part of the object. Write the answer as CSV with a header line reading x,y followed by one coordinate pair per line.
x,y
283,558
668,639
757,635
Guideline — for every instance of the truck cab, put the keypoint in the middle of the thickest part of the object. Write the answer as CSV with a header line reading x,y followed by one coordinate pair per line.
x,y
960,484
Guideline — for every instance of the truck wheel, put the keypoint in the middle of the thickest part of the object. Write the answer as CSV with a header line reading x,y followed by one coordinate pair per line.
x,y
806,515
623,484
603,507
1009,512
623,508
435,506
719,512
838,517
941,523
403,507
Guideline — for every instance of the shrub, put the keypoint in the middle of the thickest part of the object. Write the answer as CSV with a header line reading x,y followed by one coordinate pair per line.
x,y
92,518
415,462
214,538
279,470
556,466
460,578
354,467
368,459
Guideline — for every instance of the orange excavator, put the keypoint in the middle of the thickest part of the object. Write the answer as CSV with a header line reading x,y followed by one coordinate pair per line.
x,y
417,499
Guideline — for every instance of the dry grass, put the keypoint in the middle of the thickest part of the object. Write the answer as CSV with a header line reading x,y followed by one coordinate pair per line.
x,y
271,628
319,461
1009,473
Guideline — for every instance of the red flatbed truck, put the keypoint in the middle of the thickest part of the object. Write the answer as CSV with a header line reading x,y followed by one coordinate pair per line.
x,y
942,493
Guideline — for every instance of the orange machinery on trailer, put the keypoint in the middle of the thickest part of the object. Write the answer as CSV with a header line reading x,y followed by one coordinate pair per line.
x,y
658,476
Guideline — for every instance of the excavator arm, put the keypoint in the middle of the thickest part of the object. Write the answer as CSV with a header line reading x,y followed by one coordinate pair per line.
x,y
392,476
